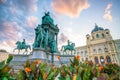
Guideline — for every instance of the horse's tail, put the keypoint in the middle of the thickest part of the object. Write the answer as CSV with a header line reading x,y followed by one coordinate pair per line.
x,y
62,48
29,47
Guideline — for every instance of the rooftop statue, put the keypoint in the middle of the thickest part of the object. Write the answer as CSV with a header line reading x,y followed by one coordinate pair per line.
x,y
70,47
22,46
47,19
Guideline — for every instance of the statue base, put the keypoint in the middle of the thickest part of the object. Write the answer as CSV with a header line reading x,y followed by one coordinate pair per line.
x,y
38,54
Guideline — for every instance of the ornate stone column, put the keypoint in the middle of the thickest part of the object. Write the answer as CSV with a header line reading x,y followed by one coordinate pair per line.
x,y
56,40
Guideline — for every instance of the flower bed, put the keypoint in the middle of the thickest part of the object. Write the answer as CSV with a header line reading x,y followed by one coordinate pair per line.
x,y
75,71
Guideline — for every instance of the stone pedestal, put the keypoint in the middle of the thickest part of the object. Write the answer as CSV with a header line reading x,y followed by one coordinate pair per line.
x,y
38,53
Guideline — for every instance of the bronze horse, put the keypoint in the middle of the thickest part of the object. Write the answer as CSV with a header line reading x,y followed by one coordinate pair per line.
x,y
70,47
20,47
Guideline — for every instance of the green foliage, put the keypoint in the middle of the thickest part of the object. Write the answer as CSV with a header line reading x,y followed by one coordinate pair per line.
x,y
5,69
75,71
9,59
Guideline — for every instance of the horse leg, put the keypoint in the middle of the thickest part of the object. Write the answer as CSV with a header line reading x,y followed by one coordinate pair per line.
x,y
14,49
18,51
62,48
74,51
29,47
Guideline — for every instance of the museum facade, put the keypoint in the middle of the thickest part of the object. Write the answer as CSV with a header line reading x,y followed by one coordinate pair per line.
x,y
100,47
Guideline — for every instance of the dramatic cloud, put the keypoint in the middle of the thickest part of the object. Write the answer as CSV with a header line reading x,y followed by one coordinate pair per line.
x,y
107,14
17,19
10,30
71,8
32,21
26,5
62,38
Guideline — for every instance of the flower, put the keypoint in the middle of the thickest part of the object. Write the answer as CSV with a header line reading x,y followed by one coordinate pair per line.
x,y
77,57
87,62
74,77
58,57
45,76
27,69
37,62
100,68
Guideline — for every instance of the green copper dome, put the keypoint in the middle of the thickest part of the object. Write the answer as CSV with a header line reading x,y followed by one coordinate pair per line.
x,y
97,28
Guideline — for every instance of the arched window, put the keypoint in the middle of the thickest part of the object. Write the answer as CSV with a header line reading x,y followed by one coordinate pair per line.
x,y
107,32
85,53
86,59
103,35
101,59
97,36
106,49
81,53
100,50
108,59
94,51
96,60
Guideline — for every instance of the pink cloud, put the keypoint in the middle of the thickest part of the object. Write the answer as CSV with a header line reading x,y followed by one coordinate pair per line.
x,y
108,6
71,8
107,14
3,1
62,38
32,21
10,31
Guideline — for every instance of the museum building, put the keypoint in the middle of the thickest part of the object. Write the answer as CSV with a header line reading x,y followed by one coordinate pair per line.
x,y
100,47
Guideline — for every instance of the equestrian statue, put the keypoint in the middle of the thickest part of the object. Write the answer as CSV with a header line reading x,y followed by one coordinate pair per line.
x,y
69,47
22,46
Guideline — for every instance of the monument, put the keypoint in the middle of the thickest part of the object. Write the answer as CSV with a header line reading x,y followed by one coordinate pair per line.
x,y
44,45
22,46
69,49
45,42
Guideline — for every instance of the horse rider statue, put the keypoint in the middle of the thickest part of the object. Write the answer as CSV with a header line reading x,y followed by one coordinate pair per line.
x,y
22,45
70,47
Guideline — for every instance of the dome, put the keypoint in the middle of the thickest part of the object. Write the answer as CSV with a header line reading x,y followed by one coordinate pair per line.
x,y
97,28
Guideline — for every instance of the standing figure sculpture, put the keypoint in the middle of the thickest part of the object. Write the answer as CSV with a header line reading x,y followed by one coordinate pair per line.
x,y
47,19
39,37
70,47
53,46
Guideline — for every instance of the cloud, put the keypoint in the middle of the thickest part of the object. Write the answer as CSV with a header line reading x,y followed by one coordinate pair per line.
x,y
32,21
9,33
25,5
17,19
107,14
62,38
3,1
9,30
108,6
71,8
68,34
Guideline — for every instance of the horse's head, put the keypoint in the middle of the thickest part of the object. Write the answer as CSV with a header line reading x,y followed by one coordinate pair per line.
x,y
18,42
73,44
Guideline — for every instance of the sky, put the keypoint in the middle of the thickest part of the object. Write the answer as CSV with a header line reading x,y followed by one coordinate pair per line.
x,y
75,19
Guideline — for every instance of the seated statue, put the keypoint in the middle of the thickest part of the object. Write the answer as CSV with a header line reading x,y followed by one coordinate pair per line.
x,y
47,19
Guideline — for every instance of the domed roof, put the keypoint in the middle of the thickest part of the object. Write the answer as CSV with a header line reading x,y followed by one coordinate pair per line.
x,y
97,28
